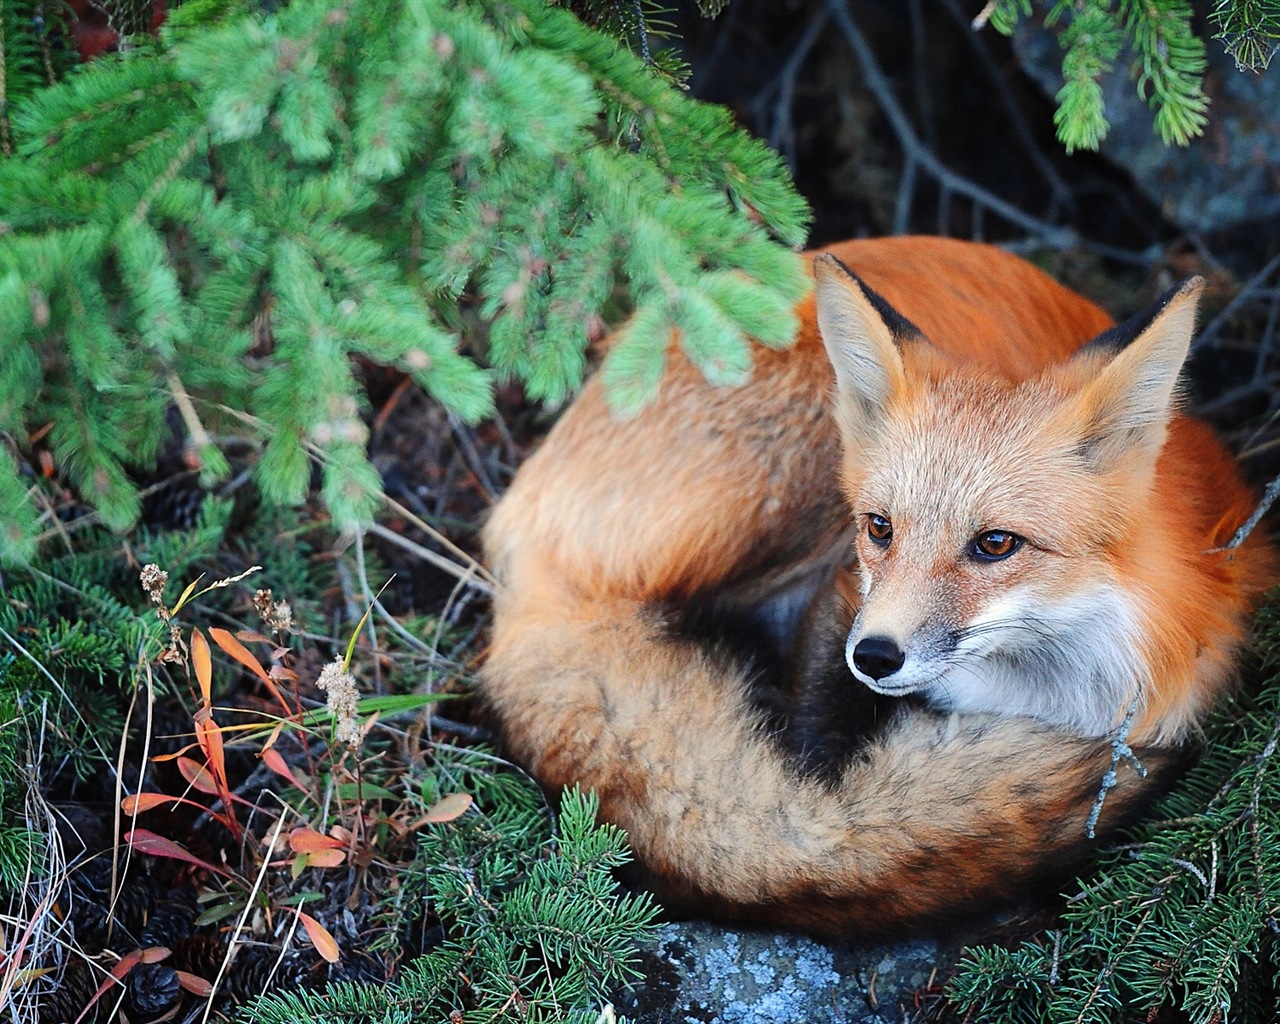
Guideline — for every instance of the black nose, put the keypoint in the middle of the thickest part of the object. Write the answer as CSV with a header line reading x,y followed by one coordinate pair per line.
x,y
877,656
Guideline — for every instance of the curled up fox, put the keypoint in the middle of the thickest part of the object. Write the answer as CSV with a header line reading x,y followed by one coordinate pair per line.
x,y
846,648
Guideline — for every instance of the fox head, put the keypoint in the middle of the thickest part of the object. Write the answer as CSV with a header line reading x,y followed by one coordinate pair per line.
x,y
993,517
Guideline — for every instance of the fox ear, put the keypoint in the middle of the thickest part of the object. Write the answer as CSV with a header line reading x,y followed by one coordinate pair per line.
x,y
861,333
1129,404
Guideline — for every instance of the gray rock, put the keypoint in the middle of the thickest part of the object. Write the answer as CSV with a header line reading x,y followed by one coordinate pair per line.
x,y
698,973
1228,175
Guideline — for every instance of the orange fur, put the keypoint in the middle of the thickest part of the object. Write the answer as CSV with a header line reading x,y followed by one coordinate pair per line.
x,y
614,525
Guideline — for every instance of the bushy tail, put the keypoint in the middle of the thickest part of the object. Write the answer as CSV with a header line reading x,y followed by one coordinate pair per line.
x,y
940,817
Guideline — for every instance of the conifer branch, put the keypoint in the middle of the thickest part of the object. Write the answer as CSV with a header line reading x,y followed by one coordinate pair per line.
x,y
261,170
1168,57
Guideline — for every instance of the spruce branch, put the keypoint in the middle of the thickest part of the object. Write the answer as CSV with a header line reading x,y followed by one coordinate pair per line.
x,y
1249,29
1168,57
337,176
1177,917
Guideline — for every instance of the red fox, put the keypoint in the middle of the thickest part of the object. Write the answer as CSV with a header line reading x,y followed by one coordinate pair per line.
x,y
964,528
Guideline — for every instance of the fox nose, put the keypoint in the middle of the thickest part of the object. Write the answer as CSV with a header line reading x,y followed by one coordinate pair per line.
x,y
877,656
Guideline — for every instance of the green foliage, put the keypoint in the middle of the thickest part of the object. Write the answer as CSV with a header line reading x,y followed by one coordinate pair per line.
x,y
33,51
1250,30
21,850
21,71
1185,916
640,25
535,925
78,625
76,630
234,212
1167,62
1091,41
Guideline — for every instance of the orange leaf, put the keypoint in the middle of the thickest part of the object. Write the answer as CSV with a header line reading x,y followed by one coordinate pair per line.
x,y
155,954
243,655
140,803
197,776
249,637
326,858
450,807
275,735
194,984
238,651
143,802
325,943
209,736
202,664
308,840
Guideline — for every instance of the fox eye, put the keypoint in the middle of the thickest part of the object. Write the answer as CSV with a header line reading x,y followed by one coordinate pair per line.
x,y
880,530
994,545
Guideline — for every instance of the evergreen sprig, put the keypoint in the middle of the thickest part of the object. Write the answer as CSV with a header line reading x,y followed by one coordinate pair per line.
x,y
1185,916
235,211
31,50
1091,42
536,927
1167,63
1250,30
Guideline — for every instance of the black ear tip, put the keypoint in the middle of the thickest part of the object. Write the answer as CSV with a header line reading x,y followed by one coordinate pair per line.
x,y
1125,333
828,264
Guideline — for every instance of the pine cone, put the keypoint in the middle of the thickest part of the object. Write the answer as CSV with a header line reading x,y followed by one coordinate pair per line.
x,y
171,919
201,954
250,974
151,992
70,995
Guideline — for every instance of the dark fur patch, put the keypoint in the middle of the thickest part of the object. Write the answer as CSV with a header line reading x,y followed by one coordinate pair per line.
x,y
899,326
832,716
736,633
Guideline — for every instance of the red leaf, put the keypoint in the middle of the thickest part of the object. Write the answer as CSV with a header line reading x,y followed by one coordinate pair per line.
x,y
158,846
273,760
121,969
250,637
195,984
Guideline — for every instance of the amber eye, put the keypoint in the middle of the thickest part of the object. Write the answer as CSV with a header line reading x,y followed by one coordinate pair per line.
x,y
995,545
880,530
